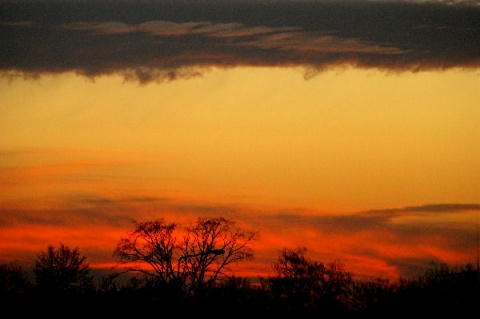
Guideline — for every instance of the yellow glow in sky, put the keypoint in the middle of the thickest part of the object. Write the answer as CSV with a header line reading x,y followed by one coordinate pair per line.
x,y
343,139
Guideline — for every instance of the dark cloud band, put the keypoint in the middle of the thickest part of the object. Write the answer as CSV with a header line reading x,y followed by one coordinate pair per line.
x,y
149,41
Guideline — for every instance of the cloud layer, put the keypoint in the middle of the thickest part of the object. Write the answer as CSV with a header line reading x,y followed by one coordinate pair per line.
x,y
166,40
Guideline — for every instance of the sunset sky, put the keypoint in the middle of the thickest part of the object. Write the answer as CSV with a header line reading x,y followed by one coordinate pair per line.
x,y
351,128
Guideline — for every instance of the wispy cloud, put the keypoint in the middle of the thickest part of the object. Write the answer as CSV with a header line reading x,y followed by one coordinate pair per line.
x,y
429,208
151,41
404,240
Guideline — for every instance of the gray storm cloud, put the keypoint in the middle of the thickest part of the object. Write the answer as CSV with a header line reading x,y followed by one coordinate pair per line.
x,y
154,41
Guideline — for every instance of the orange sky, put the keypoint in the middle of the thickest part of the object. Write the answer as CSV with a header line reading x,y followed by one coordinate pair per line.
x,y
377,169
350,128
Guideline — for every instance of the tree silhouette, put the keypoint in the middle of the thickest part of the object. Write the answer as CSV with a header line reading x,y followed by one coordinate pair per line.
x,y
14,280
306,285
192,263
152,243
296,276
62,270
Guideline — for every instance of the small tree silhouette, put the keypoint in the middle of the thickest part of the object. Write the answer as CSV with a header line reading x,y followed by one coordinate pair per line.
x,y
306,285
62,270
14,280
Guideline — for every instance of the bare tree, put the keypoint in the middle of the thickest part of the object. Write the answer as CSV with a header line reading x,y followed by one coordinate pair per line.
x,y
208,249
152,243
204,253
62,270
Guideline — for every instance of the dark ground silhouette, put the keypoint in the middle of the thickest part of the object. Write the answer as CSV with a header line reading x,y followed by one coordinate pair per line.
x,y
443,290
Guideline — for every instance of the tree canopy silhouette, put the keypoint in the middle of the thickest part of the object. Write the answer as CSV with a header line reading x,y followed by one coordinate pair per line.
x,y
13,280
62,270
306,284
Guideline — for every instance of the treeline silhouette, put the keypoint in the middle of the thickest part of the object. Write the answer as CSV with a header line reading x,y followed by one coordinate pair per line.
x,y
190,277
